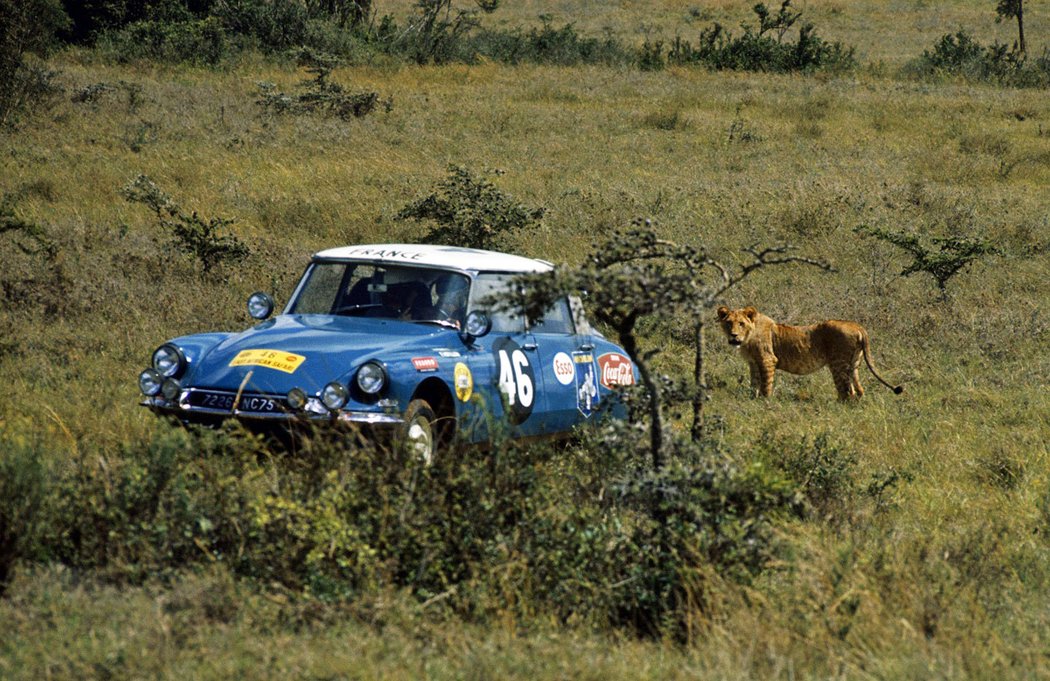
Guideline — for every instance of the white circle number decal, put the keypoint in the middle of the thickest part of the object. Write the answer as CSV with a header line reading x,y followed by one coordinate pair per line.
x,y
517,380
513,381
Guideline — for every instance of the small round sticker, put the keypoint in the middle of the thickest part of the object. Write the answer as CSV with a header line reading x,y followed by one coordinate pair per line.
x,y
464,381
564,369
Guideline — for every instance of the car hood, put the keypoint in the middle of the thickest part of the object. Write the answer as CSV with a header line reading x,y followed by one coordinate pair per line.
x,y
308,351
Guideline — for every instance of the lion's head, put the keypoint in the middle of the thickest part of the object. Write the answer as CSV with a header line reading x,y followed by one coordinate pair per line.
x,y
737,324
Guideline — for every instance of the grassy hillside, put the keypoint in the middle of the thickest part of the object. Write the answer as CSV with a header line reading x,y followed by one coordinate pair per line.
x,y
930,560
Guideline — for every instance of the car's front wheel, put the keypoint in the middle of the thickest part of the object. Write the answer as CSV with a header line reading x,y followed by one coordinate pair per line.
x,y
417,433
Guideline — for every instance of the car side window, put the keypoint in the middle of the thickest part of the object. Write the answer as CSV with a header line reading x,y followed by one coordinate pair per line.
x,y
495,287
557,319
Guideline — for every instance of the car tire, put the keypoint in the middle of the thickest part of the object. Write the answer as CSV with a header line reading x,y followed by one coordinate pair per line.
x,y
417,434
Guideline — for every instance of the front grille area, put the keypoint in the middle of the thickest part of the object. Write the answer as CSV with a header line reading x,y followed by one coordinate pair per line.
x,y
224,401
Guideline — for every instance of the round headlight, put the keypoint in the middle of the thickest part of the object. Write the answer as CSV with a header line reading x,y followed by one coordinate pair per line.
x,y
169,361
296,399
371,378
478,324
334,396
149,382
260,305
170,389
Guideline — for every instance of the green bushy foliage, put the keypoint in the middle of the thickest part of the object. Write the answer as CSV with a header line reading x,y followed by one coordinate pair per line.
x,y
470,211
438,33
943,260
24,486
271,26
758,50
92,18
823,470
320,95
33,274
549,45
27,27
202,42
963,56
192,234
478,532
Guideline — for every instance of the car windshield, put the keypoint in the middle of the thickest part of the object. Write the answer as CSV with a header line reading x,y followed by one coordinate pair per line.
x,y
413,294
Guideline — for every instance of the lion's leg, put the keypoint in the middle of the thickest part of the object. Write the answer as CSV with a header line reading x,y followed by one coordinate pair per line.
x,y
858,390
756,380
843,377
766,370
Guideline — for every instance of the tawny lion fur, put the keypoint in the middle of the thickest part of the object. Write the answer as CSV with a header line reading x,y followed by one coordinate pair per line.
x,y
768,346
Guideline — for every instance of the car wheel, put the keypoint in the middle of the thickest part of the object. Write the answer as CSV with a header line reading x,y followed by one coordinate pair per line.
x,y
417,433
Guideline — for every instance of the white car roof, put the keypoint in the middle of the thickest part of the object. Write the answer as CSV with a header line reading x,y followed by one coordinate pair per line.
x,y
445,257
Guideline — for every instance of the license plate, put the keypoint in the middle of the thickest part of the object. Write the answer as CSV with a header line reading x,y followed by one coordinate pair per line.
x,y
224,402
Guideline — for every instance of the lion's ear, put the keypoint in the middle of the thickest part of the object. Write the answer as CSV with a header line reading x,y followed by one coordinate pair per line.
x,y
722,312
750,313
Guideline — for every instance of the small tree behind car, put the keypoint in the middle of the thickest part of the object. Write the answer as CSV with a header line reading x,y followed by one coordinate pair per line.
x,y
634,275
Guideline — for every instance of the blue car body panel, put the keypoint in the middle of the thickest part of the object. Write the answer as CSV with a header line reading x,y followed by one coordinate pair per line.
x,y
532,382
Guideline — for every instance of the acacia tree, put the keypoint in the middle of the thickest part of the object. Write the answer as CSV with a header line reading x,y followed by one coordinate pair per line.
x,y
26,27
946,257
1013,9
633,275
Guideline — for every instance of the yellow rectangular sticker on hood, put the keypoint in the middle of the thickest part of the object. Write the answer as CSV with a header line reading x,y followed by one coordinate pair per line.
x,y
273,359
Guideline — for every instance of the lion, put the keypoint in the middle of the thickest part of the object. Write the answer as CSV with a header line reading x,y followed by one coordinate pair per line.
x,y
768,346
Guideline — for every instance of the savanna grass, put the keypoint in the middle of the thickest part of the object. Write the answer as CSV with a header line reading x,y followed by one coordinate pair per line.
x,y
938,556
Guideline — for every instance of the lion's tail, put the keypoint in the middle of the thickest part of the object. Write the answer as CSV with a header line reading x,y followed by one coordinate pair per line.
x,y
866,346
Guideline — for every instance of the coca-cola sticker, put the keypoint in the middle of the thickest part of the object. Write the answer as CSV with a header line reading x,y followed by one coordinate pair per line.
x,y
615,369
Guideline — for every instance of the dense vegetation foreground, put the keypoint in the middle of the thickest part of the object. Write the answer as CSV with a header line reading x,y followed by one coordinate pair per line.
x,y
792,537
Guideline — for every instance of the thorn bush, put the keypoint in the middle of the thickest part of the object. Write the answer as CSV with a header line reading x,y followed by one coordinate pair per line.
x,y
942,260
192,234
469,211
758,50
320,95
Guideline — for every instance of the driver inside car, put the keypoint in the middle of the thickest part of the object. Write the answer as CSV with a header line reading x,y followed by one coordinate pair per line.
x,y
451,302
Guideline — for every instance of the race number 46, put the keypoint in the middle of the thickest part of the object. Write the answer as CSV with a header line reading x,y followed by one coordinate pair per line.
x,y
514,379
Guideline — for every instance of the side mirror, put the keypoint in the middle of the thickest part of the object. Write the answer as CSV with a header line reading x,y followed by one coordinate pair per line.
x,y
260,305
477,325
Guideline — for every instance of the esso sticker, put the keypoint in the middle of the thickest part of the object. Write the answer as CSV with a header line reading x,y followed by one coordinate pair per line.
x,y
564,369
615,369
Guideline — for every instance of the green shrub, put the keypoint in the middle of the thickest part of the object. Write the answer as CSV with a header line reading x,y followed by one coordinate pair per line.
x,y
34,275
946,257
320,95
479,532
469,211
202,42
758,50
27,27
25,478
548,45
823,471
268,25
961,55
191,233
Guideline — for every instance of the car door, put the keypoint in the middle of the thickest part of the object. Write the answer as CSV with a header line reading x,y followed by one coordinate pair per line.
x,y
508,362
567,366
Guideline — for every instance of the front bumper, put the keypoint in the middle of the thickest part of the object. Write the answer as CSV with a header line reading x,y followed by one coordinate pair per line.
x,y
265,408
